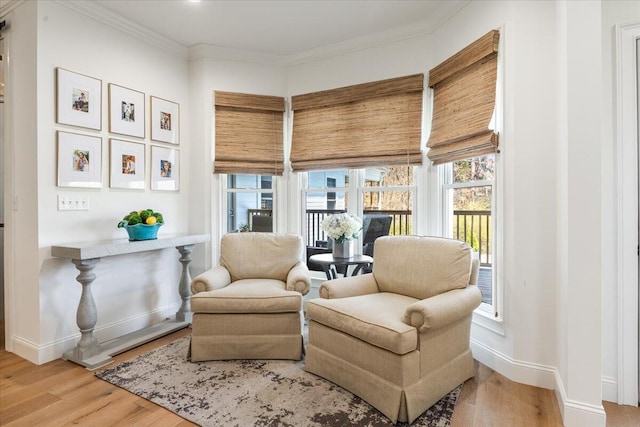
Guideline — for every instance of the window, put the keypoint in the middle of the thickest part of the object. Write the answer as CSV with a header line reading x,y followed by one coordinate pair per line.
x,y
389,191
249,201
466,120
326,194
470,214
385,201
331,195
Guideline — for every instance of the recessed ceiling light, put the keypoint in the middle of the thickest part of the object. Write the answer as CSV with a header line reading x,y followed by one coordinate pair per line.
x,y
193,1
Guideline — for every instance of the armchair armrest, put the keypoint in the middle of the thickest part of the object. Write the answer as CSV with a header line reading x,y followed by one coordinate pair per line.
x,y
298,279
349,286
443,309
216,278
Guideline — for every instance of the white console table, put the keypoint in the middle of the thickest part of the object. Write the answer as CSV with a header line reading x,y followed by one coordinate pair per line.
x,y
88,352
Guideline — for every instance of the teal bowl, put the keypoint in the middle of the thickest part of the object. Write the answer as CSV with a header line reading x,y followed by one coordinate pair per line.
x,y
143,231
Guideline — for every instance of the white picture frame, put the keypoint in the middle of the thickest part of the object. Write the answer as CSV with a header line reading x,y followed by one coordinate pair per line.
x,y
127,164
165,168
79,160
126,111
78,100
165,121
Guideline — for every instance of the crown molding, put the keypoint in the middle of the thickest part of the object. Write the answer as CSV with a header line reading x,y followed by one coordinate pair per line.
x,y
424,27
359,43
8,6
125,25
421,28
203,51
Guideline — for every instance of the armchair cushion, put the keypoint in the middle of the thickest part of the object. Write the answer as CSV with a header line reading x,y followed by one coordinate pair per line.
x,y
421,267
248,296
260,255
374,318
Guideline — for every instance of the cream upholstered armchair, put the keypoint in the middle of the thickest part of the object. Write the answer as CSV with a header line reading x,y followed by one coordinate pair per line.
x,y
398,337
250,305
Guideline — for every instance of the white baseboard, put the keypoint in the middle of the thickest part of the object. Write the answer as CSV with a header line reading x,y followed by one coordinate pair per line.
x,y
574,414
521,372
316,281
40,354
609,389
26,349
578,414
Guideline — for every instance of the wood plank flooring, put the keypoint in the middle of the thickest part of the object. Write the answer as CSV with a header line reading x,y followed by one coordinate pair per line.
x,y
61,393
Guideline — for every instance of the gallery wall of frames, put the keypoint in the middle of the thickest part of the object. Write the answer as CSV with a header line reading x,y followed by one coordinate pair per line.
x,y
134,148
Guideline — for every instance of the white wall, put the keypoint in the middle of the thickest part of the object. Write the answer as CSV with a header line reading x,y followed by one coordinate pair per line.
x,y
130,291
580,142
21,215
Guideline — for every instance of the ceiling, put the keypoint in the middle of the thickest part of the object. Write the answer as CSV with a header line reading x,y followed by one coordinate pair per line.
x,y
283,27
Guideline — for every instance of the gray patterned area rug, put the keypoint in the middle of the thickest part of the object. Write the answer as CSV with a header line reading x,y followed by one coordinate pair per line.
x,y
252,392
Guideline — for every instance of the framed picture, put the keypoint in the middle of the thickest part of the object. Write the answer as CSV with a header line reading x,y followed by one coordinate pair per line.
x,y
78,100
165,168
165,121
79,160
127,165
126,111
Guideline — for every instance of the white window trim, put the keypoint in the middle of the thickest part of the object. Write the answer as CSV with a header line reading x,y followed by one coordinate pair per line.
x,y
362,189
447,205
224,226
626,37
437,180
355,199
304,190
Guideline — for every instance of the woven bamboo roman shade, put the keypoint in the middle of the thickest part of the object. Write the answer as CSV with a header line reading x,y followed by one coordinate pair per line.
x,y
464,91
249,136
370,124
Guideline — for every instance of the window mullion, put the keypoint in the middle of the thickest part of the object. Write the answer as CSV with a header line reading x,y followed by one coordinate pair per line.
x,y
470,184
354,198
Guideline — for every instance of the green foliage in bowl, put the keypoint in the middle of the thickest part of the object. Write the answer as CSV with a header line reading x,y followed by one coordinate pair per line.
x,y
144,216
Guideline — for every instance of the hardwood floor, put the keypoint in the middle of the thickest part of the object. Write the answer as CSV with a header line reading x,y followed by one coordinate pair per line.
x,y
62,393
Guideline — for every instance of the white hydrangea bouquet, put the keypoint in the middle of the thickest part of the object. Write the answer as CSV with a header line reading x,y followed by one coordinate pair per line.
x,y
342,227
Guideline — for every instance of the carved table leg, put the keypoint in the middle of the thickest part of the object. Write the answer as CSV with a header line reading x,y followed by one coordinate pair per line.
x,y
86,316
184,313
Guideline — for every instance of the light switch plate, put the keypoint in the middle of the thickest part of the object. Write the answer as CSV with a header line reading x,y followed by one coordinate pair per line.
x,y
73,203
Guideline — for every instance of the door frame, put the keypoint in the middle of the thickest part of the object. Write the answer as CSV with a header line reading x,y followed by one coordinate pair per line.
x,y
627,216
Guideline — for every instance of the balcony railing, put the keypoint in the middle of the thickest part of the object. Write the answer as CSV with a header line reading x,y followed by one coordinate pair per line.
x,y
471,226
400,222
474,227
314,222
